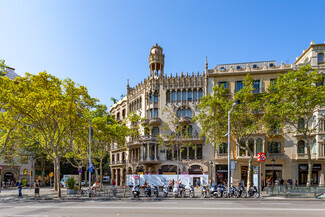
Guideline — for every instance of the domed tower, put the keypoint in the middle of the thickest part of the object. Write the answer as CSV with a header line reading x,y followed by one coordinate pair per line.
x,y
156,61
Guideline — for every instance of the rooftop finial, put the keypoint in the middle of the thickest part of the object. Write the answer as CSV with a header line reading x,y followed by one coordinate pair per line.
x,y
206,63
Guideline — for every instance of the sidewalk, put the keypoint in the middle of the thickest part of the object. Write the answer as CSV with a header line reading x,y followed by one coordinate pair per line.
x,y
11,195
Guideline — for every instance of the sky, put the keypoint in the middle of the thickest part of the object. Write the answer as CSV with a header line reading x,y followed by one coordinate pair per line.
x,y
102,43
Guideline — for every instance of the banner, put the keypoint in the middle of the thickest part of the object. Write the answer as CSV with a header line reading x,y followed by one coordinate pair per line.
x,y
163,180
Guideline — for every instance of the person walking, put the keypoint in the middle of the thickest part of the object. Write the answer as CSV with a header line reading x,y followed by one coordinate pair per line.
x,y
20,187
113,183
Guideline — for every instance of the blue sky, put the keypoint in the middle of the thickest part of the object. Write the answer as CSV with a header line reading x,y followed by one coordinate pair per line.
x,y
101,44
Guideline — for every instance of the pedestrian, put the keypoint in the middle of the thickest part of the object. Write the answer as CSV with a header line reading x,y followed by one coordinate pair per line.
x,y
20,186
113,183
262,185
198,183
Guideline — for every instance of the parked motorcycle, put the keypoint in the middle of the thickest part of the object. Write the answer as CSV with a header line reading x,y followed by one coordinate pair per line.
x,y
192,191
156,191
179,190
242,191
205,190
253,192
234,192
214,191
222,191
147,191
136,191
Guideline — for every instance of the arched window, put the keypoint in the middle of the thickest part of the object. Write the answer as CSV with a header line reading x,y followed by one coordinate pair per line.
x,y
155,131
184,95
259,145
314,150
113,157
301,147
251,145
184,112
194,94
222,68
188,112
178,95
222,148
200,94
156,96
151,97
174,95
320,57
254,66
271,65
238,67
189,95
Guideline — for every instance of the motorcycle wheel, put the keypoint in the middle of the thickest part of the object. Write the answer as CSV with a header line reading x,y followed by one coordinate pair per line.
x,y
236,194
191,195
134,195
243,194
165,195
256,195
224,194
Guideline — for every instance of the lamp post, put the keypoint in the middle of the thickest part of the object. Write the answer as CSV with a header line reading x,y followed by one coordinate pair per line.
x,y
211,168
229,167
89,152
273,174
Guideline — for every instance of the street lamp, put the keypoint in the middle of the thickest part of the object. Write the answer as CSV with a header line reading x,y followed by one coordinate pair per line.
x,y
89,151
211,168
273,176
232,107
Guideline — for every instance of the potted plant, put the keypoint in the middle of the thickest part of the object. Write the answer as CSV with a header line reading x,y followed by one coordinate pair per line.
x,y
71,182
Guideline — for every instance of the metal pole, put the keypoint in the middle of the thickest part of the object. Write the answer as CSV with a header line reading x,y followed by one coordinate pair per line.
x,y
89,157
228,189
260,179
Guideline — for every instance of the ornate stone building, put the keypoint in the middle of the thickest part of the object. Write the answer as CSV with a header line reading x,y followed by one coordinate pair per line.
x,y
152,99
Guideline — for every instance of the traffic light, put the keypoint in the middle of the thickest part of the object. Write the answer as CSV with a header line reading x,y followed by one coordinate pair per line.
x,y
30,173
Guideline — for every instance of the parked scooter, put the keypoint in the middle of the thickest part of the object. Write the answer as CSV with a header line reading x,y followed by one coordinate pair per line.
x,y
179,190
242,191
192,191
136,191
147,191
234,192
253,192
214,191
205,190
156,191
222,191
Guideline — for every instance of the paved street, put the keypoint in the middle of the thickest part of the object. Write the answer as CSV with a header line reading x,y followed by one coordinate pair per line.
x,y
164,208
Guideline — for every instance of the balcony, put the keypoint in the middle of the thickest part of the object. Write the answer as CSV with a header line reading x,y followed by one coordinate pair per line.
x,y
151,160
121,162
155,121
274,155
145,138
185,120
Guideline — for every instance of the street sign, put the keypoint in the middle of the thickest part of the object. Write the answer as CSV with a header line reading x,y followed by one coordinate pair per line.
x,y
233,165
261,157
91,167
51,174
80,171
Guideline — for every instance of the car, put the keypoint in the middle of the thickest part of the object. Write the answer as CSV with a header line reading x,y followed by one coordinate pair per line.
x,y
83,182
105,179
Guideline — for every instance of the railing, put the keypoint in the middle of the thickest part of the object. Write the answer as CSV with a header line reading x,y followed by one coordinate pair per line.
x,y
118,162
296,191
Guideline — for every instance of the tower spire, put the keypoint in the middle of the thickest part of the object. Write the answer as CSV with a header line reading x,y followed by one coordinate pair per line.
x,y
206,63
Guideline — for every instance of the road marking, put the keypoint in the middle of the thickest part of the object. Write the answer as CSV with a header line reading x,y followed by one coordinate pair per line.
x,y
167,208
276,203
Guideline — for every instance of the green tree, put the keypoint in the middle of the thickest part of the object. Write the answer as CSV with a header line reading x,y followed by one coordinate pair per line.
x,y
292,103
245,118
3,67
45,109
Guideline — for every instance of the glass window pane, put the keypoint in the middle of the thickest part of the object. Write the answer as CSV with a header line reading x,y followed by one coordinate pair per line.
x,y
239,85
179,113
251,144
174,95
184,152
168,95
189,95
189,113
256,85
156,112
156,96
183,112
199,151
194,95
184,95
178,95
200,93
259,146
151,97
191,152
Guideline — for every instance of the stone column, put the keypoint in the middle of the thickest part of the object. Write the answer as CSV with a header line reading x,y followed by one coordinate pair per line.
x,y
195,154
141,153
122,175
155,151
116,181
148,150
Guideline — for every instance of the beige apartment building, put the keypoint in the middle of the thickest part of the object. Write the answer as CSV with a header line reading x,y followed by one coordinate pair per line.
x,y
15,168
181,93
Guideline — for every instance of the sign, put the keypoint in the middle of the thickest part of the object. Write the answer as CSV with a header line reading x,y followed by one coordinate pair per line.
x,y
255,176
91,167
80,171
261,157
51,174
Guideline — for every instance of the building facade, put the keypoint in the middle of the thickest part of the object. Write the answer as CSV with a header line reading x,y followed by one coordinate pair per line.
x,y
285,155
15,168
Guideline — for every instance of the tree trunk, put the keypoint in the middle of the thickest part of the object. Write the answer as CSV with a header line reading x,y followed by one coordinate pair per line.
x,y
250,172
57,160
101,173
310,165
43,174
55,177
96,172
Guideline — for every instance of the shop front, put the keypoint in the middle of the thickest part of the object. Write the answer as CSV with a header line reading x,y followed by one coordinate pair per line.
x,y
221,174
303,173
273,173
